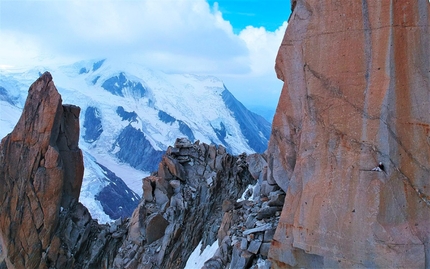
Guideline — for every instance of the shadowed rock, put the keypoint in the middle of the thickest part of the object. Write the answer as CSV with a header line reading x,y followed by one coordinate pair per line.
x,y
181,206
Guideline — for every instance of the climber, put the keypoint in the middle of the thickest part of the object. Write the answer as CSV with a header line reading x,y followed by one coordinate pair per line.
x,y
379,168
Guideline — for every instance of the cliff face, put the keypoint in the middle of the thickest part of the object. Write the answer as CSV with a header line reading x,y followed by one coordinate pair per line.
x,y
356,92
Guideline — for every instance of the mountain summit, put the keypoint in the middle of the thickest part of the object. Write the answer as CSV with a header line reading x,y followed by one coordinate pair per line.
x,y
130,115
126,106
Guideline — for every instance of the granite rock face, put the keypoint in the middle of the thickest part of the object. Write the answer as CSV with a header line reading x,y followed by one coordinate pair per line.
x,y
356,93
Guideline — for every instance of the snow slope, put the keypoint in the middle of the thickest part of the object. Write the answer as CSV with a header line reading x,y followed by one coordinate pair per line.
x,y
131,114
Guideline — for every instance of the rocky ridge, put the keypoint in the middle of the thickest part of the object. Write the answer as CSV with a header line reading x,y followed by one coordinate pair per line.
x,y
356,93
182,205
191,198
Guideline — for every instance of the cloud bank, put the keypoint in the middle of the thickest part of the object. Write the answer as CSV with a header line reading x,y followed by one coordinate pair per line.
x,y
170,35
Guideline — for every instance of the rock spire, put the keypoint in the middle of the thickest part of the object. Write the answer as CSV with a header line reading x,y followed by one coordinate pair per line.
x,y
42,224
41,171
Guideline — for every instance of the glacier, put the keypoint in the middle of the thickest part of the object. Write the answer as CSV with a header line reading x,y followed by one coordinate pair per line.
x,y
130,114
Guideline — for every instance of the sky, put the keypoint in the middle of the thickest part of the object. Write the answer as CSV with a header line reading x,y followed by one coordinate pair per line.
x,y
234,40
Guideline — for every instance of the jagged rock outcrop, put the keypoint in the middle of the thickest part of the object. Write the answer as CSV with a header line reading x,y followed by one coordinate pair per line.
x,y
42,224
356,92
182,205
248,224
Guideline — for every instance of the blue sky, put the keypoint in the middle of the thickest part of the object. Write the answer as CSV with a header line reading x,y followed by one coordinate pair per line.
x,y
269,14
235,40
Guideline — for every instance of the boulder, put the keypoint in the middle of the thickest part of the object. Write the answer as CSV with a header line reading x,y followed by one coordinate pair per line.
x,y
267,212
240,259
264,249
254,246
267,188
183,142
173,168
256,164
276,199
155,227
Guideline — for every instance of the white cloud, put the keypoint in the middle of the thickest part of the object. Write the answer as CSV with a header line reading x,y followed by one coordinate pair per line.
x,y
170,35
17,47
263,47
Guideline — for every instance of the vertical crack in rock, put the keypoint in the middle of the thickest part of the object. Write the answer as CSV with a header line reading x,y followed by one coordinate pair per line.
x,y
368,54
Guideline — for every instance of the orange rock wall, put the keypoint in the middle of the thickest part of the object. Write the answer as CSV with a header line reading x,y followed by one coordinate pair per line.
x,y
356,92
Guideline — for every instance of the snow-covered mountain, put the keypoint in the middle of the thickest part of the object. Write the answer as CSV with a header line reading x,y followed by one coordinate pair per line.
x,y
131,114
